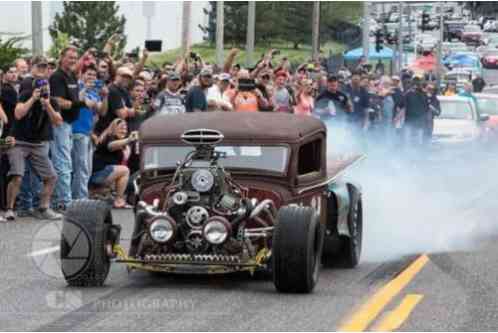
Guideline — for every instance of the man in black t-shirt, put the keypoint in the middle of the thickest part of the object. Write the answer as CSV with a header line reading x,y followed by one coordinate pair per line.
x,y
64,87
119,100
35,114
333,94
8,99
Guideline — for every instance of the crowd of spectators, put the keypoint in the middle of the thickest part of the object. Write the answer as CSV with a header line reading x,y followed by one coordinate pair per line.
x,y
70,125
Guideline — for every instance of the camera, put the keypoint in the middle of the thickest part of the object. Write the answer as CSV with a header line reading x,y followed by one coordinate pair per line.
x,y
42,84
247,84
194,56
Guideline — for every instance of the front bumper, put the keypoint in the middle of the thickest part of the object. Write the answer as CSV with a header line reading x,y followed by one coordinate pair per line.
x,y
194,264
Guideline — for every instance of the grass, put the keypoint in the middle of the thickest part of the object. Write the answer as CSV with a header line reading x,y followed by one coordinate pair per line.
x,y
208,53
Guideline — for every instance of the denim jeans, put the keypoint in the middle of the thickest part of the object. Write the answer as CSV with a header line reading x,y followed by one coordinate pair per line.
x,y
60,149
81,156
31,186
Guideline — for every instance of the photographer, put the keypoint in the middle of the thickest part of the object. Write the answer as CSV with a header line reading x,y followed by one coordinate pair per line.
x,y
246,97
109,167
35,115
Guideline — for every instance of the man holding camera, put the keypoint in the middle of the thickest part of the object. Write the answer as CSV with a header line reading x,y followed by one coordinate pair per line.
x,y
196,99
35,115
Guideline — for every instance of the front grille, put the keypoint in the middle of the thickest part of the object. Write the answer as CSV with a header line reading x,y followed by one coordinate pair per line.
x,y
191,258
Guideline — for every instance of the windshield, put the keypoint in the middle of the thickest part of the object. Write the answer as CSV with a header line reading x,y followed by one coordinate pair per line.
x,y
268,158
488,105
456,110
472,28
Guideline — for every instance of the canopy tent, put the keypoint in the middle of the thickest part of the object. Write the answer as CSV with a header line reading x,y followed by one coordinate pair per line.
x,y
355,54
461,60
424,64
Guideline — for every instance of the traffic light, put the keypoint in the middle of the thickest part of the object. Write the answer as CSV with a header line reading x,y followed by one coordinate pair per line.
x,y
379,40
425,21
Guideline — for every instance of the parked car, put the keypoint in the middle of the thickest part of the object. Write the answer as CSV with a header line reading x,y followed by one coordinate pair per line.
x,y
453,30
490,59
472,35
226,192
488,104
459,126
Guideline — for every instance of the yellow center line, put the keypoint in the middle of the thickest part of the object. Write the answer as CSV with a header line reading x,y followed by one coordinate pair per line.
x,y
398,316
360,320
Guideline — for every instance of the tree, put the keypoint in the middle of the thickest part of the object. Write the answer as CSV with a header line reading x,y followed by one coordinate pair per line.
x,y
60,42
10,50
90,24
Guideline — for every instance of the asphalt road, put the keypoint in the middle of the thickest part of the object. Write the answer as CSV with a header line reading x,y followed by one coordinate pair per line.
x,y
445,210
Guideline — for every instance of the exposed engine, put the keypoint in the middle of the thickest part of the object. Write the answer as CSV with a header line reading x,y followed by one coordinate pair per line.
x,y
203,211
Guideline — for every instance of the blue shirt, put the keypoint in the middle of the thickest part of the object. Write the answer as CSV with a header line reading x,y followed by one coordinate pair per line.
x,y
84,123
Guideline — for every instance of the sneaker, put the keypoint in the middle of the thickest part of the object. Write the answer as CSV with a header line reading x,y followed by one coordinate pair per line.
x,y
47,214
26,212
3,219
10,215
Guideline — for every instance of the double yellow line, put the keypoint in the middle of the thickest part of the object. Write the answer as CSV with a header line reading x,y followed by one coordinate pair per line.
x,y
366,314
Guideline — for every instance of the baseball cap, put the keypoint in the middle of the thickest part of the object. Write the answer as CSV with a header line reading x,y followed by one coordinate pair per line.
x,y
124,71
396,78
206,72
173,76
332,78
39,60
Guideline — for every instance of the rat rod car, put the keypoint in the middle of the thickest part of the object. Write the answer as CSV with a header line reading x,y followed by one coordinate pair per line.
x,y
225,192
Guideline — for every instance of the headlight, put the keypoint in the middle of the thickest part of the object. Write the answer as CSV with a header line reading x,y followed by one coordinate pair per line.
x,y
162,229
217,230
202,180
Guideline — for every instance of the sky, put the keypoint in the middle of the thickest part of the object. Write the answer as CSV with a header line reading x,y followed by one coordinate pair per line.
x,y
165,24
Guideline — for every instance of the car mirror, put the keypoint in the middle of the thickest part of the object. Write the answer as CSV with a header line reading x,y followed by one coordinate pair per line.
x,y
484,117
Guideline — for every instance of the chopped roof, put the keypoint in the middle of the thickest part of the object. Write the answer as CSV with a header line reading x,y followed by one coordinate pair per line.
x,y
235,126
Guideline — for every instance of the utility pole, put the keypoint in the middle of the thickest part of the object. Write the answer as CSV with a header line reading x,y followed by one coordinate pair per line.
x,y
251,26
148,8
400,37
366,29
187,10
315,45
219,33
440,44
36,28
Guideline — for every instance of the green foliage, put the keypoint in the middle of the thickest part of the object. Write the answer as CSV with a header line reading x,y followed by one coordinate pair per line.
x,y
288,21
90,24
59,43
10,50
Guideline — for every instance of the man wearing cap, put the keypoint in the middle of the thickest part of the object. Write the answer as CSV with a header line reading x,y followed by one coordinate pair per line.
x,y
416,109
358,95
333,94
37,117
119,102
215,98
196,97
170,101
64,87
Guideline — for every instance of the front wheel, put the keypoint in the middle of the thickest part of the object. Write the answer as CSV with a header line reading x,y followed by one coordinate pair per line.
x,y
297,246
84,259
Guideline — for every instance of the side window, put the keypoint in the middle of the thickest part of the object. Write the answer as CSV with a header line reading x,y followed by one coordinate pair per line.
x,y
310,157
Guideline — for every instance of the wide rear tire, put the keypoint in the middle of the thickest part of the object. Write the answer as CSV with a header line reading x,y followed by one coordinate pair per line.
x,y
351,250
84,259
296,251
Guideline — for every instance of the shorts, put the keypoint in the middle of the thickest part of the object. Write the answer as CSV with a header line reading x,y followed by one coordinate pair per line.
x,y
100,177
37,153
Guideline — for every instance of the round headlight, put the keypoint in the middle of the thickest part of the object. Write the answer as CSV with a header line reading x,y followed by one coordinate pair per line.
x,y
216,230
162,229
202,180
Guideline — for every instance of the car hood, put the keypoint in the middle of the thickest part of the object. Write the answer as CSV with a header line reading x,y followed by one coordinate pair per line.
x,y
454,131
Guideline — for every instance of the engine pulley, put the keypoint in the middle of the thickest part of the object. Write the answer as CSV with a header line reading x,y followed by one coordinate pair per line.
x,y
196,217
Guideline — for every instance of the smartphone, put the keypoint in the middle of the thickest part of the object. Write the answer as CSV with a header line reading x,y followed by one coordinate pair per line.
x,y
154,45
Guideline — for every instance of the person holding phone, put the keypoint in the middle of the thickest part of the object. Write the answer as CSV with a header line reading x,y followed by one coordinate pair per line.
x,y
35,116
109,161
95,94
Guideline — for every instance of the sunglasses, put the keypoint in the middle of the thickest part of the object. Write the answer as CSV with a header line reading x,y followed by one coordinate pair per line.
x,y
265,77
42,65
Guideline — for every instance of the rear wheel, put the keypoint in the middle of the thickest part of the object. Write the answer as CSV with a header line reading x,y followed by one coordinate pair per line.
x,y
84,259
297,246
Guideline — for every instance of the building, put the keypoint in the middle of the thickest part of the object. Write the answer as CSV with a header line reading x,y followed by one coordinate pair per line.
x,y
165,21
